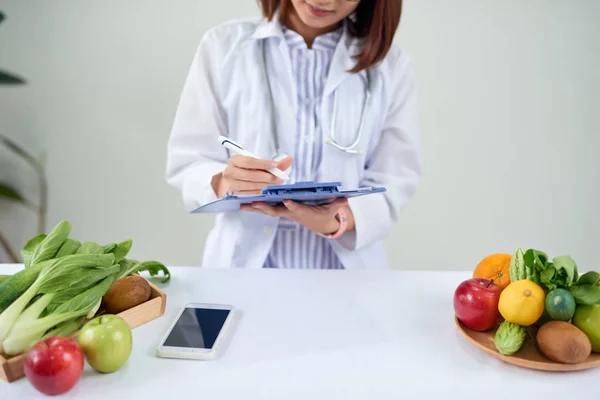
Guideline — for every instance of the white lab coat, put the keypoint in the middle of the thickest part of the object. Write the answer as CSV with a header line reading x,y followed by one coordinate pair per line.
x,y
225,94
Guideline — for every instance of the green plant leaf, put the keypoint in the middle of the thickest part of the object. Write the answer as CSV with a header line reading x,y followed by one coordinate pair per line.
x,y
48,248
109,248
29,248
90,248
11,193
69,247
8,78
153,267
122,249
20,151
586,294
589,278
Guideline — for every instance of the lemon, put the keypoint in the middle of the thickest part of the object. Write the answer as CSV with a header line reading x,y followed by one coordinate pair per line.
x,y
522,302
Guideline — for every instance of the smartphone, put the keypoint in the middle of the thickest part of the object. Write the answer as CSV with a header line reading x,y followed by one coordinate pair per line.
x,y
197,332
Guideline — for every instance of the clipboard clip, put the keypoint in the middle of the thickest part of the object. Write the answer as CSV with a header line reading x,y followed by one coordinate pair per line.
x,y
307,188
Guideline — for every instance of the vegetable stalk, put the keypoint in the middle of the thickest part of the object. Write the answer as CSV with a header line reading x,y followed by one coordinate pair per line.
x,y
28,332
51,279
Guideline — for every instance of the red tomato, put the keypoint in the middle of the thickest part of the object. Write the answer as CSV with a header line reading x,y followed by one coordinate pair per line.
x,y
53,366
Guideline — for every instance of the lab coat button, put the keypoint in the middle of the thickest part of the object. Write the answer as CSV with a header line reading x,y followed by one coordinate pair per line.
x,y
268,229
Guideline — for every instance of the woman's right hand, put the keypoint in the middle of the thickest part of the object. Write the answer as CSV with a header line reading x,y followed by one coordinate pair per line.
x,y
247,175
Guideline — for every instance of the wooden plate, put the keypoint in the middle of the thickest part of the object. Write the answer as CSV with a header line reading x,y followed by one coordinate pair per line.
x,y
528,357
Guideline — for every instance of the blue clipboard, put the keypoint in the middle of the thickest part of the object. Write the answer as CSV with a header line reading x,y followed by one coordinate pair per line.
x,y
302,192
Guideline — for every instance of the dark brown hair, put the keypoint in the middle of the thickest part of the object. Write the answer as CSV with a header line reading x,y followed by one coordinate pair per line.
x,y
375,21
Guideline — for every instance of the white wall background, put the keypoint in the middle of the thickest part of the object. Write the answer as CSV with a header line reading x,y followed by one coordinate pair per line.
x,y
510,105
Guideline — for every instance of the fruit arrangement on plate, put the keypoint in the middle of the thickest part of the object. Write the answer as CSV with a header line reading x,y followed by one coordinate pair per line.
x,y
531,307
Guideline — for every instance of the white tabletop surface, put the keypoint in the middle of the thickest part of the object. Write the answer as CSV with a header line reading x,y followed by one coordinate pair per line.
x,y
304,334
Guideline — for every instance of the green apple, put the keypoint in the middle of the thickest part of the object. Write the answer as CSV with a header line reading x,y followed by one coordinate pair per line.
x,y
587,318
107,342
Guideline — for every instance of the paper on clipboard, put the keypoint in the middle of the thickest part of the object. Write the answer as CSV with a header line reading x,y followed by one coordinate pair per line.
x,y
303,192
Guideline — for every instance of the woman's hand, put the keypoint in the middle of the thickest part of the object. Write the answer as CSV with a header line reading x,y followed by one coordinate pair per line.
x,y
318,219
248,175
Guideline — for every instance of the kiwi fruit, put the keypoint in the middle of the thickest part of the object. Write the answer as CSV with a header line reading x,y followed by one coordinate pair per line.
x,y
563,342
126,293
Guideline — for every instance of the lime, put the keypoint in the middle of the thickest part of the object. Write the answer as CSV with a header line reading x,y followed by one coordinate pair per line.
x,y
560,305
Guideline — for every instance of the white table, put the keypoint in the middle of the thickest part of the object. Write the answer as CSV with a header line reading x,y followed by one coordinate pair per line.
x,y
320,335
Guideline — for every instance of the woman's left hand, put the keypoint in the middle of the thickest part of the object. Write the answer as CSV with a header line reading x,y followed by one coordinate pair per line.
x,y
318,219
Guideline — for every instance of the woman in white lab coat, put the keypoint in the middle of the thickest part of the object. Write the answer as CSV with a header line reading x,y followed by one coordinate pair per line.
x,y
318,86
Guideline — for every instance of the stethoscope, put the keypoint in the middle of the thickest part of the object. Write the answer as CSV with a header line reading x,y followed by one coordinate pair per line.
x,y
352,148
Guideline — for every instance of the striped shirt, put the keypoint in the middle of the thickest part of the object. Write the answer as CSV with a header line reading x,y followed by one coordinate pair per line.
x,y
295,246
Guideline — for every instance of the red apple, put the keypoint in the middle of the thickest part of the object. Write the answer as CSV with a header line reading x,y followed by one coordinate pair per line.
x,y
54,365
476,303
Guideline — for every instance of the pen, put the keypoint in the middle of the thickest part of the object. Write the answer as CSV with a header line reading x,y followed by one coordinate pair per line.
x,y
236,148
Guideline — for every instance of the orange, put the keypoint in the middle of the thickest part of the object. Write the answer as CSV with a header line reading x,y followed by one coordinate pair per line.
x,y
494,267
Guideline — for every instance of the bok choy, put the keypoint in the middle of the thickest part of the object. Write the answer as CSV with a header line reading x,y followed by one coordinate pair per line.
x,y
72,275
61,286
29,329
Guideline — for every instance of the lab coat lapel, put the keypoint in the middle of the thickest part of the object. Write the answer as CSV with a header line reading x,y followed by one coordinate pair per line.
x,y
337,165
280,75
341,62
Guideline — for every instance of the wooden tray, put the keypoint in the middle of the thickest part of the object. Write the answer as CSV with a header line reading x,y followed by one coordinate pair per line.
x,y
528,357
11,369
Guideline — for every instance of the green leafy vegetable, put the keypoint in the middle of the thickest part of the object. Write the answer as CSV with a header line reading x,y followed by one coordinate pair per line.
x,y
126,265
69,247
29,331
586,294
91,279
62,284
109,248
589,278
153,267
535,261
59,274
90,248
51,243
122,249
560,273
547,274
29,248
66,328
586,290
535,266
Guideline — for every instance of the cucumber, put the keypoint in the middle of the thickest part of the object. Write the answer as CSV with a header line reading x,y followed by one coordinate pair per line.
x,y
17,284
3,278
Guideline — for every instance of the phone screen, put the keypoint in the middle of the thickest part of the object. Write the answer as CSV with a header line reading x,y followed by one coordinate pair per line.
x,y
197,328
